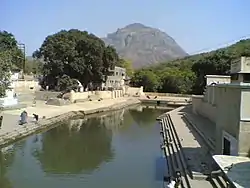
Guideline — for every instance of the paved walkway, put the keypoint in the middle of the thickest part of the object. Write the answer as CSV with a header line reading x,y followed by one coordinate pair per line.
x,y
207,127
11,117
198,158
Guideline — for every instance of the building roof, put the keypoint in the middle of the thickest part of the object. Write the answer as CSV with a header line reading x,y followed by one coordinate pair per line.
x,y
239,169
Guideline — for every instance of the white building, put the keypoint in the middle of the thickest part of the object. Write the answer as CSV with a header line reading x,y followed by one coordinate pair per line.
x,y
226,104
117,78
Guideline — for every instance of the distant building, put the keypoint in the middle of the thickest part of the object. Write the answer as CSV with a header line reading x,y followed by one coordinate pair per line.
x,y
116,80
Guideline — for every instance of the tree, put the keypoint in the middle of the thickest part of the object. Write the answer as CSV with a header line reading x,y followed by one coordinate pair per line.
x,y
9,44
77,54
147,79
187,75
176,81
217,62
5,68
127,65
33,66
65,83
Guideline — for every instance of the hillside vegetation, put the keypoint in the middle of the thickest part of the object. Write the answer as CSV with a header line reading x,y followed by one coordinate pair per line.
x,y
186,75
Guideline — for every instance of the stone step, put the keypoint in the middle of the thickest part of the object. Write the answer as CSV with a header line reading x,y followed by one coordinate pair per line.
x,y
218,182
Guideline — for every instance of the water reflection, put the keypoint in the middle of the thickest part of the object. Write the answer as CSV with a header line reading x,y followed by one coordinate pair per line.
x,y
81,146
6,159
102,151
144,116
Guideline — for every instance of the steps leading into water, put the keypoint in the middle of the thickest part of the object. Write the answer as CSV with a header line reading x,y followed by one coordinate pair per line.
x,y
177,167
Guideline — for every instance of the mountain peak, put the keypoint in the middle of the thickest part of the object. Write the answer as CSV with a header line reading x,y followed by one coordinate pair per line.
x,y
144,45
135,26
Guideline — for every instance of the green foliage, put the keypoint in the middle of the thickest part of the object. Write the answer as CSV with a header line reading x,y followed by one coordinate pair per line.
x,y
176,81
186,75
34,66
9,44
79,55
127,65
65,83
5,67
146,78
11,57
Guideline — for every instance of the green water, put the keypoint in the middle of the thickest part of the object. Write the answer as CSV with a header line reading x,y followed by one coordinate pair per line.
x,y
114,150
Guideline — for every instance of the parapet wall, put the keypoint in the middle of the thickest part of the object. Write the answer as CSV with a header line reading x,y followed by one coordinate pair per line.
x,y
200,107
134,91
74,96
24,84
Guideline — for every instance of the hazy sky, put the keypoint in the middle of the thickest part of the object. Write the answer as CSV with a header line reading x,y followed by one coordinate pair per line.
x,y
197,25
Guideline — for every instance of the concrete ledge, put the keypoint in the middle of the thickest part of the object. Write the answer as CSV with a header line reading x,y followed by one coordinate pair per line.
x,y
46,124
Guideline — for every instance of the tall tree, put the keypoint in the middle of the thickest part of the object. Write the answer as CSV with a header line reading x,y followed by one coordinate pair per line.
x,y
33,66
9,44
77,54
127,65
5,68
148,79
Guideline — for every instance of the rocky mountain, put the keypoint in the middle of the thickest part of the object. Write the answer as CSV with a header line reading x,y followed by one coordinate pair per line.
x,y
144,45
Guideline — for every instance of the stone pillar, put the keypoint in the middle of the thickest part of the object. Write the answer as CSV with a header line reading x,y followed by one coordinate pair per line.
x,y
71,96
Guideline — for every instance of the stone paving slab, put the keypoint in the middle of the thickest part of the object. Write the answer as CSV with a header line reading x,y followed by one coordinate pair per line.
x,y
196,153
203,124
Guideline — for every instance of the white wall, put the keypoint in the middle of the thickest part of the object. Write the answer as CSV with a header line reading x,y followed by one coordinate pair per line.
x,y
200,107
73,96
227,106
134,91
25,84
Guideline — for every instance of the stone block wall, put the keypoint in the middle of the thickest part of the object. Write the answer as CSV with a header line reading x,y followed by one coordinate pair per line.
x,y
45,95
25,84
74,96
